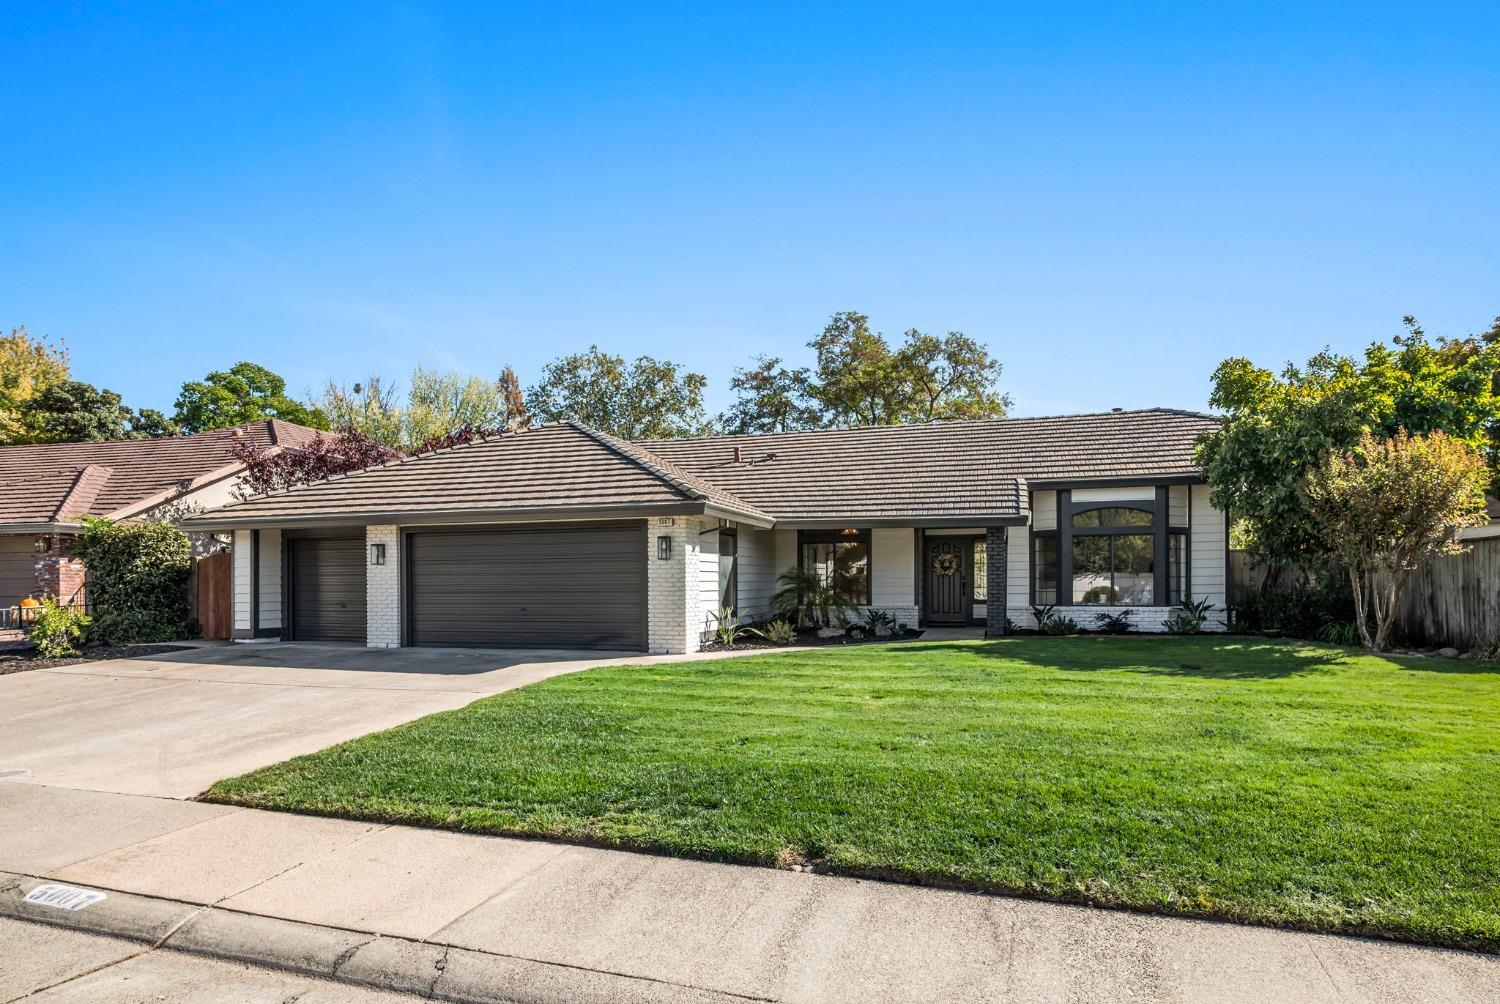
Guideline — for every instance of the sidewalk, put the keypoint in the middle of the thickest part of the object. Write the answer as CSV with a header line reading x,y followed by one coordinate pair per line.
x,y
469,917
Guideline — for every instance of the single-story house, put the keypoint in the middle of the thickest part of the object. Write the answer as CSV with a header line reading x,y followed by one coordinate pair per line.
x,y
562,536
46,487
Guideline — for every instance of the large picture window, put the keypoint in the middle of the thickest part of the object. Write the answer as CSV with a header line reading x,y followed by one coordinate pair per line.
x,y
1110,553
840,558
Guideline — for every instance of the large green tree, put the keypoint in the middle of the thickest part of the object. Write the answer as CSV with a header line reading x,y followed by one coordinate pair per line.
x,y
246,392
645,399
28,366
1387,507
859,378
1277,425
73,411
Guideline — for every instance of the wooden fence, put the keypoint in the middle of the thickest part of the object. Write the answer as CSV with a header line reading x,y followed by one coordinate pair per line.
x,y
212,593
1455,600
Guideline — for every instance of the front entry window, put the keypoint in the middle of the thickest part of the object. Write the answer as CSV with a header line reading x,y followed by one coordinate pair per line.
x,y
840,558
1114,569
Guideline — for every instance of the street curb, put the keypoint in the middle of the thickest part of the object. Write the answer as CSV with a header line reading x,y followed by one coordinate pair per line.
x,y
425,969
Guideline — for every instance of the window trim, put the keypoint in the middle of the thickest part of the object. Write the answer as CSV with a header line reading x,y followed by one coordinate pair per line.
x,y
734,567
842,536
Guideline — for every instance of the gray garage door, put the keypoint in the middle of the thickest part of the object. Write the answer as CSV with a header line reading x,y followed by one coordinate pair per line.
x,y
531,586
17,569
326,587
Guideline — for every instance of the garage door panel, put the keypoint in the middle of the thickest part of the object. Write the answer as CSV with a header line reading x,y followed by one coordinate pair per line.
x,y
576,587
17,569
327,587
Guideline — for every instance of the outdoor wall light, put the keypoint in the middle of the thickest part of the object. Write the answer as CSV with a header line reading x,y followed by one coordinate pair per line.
x,y
377,554
43,545
664,548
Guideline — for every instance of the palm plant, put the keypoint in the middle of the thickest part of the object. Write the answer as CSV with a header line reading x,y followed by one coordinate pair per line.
x,y
806,598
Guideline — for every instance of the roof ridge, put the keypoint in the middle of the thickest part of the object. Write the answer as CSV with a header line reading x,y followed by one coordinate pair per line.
x,y
653,466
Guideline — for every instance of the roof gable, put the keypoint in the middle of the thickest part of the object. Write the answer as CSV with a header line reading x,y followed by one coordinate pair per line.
x,y
554,468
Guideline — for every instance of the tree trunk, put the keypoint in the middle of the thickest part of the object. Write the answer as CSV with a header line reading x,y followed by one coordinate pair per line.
x,y
1361,620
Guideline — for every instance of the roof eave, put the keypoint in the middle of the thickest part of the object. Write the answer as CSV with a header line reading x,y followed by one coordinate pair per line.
x,y
445,517
1115,481
40,527
834,523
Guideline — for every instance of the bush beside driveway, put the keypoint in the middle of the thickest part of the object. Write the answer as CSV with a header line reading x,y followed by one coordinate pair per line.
x,y
1304,786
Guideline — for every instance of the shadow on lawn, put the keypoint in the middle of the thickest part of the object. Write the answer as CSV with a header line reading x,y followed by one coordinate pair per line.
x,y
1220,659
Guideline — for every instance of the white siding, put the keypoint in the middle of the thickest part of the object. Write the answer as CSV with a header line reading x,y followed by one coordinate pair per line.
x,y
244,579
1018,576
1044,510
758,571
785,550
703,598
893,557
1208,538
1133,493
270,579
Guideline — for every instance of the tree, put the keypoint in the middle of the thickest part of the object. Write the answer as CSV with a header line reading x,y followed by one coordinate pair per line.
x,y
370,408
859,379
272,469
648,399
28,366
1389,505
442,403
1278,425
770,398
244,393
516,417
74,412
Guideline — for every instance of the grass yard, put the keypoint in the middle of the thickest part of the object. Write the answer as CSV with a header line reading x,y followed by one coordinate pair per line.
x,y
1285,784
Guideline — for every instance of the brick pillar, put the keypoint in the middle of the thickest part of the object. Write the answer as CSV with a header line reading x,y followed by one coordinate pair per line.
x,y
58,573
997,558
383,589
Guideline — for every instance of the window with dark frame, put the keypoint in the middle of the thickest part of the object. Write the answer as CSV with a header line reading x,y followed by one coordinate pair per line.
x,y
1114,553
981,571
840,558
729,570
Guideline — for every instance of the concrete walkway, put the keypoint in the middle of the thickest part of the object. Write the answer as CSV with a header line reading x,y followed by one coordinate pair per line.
x,y
473,918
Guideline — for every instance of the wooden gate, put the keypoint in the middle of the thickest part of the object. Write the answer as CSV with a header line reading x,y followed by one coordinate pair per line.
x,y
214,588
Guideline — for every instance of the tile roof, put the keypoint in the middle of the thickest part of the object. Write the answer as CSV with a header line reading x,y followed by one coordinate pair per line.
x,y
558,468
945,470
56,482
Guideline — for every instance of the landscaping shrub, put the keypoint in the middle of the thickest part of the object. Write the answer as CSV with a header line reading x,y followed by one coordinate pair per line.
x,y
58,630
137,581
1301,611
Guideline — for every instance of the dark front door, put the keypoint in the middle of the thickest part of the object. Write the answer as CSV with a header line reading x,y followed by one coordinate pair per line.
x,y
946,591
326,587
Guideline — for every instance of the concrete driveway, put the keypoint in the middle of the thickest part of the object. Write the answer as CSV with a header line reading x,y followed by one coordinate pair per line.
x,y
173,724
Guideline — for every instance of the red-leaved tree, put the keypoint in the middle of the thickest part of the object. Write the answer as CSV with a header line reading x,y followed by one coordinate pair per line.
x,y
454,437
269,470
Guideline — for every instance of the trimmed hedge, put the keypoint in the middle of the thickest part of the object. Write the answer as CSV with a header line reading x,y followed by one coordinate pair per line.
x,y
137,581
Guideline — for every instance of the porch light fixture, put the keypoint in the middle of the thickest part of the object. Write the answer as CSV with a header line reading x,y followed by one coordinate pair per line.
x,y
43,545
377,554
664,547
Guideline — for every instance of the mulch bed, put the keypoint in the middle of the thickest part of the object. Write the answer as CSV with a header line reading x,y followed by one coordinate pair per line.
x,y
20,660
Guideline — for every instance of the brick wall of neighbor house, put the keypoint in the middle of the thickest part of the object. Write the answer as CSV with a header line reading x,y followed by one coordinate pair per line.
x,y
383,589
58,572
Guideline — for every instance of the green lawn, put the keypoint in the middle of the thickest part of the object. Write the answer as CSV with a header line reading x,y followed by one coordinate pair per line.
x,y
1236,778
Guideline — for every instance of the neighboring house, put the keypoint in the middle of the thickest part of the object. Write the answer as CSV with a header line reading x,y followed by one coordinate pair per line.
x,y
1484,530
46,487
565,537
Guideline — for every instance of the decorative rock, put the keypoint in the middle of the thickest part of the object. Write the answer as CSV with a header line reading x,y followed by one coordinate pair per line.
x,y
881,631
1467,655
1448,653
830,632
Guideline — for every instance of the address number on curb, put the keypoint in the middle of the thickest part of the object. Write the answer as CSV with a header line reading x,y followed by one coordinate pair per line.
x,y
63,897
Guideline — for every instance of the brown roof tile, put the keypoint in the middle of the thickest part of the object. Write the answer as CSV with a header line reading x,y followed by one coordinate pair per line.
x,y
561,466
41,482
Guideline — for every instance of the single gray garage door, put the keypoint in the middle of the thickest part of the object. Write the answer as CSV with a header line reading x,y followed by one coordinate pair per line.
x,y
326,587
528,586
17,568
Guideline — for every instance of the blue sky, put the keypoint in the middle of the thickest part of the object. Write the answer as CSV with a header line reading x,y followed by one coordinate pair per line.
x,y
1114,197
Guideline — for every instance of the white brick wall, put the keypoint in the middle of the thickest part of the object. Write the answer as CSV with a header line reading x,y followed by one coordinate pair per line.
x,y
677,612
383,589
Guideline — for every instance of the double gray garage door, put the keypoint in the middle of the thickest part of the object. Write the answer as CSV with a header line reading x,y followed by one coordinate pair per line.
x,y
549,586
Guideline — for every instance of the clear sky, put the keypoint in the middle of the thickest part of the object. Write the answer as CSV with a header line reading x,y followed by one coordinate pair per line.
x,y
1114,197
